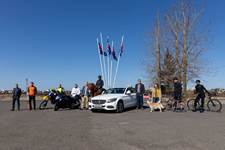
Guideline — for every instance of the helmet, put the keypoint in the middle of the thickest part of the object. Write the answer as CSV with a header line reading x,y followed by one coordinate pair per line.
x,y
197,81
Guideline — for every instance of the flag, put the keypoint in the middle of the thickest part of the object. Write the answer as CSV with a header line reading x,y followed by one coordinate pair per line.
x,y
114,54
121,48
100,48
108,47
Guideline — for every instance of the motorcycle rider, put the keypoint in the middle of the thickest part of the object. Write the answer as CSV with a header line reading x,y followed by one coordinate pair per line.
x,y
200,91
75,91
60,89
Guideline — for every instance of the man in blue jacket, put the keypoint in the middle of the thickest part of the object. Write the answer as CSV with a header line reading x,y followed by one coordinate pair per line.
x,y
16,93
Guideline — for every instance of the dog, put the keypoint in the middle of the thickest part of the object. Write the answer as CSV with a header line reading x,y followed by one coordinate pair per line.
x,y
154,106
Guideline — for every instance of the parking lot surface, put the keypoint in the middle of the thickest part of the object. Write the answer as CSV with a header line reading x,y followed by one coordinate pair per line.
x,y
131,130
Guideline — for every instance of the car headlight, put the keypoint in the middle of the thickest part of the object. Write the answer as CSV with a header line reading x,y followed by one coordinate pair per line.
x,y
112,100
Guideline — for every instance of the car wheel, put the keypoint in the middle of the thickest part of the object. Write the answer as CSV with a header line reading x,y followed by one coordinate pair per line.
x,y
120,107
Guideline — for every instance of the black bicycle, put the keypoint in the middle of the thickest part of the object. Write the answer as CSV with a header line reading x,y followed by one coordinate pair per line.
x,y
173,105
213,105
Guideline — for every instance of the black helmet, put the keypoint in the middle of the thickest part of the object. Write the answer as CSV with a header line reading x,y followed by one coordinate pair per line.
x,y
99,76
197,81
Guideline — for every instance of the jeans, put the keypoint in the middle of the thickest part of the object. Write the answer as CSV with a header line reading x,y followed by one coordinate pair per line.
x,y
139,98
32,98
18,103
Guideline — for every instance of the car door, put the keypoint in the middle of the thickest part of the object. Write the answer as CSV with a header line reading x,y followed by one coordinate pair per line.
x,y
133,97
129,98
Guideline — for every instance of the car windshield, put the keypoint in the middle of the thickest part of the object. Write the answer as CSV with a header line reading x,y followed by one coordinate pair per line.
x,y
115,91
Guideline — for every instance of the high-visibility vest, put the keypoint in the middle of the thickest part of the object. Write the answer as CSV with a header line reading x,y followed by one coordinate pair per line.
x,y
32,91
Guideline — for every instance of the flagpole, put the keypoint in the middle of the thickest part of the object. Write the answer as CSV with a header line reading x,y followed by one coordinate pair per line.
x,y
100,60
108,68
111,66
104,66
117,66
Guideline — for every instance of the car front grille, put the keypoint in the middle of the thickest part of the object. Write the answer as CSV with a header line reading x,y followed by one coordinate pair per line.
x,y
98,101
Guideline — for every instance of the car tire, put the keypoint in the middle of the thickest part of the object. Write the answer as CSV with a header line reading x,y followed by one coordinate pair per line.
x,y
120,107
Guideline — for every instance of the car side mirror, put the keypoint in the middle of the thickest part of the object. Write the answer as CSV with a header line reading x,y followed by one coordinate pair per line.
x,y
128,92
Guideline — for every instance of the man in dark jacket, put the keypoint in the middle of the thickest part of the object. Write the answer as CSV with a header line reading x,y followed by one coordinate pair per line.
x,y
100,82
177,91
16,97
140,90
200,91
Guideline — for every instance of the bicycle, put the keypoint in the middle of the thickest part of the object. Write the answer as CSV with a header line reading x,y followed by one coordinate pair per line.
x,y
173,105
213,105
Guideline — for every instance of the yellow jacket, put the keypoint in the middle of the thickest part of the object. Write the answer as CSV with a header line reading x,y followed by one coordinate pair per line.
x,y
156,92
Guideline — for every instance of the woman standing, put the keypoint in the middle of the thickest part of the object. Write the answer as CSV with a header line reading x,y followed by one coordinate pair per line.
x,y
156,94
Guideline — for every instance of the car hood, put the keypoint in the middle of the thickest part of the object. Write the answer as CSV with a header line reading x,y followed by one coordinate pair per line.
x,y
106,96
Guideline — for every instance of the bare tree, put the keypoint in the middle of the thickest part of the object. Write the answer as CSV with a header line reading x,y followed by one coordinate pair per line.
x,y
168,70
184,38
183,20
157,36
153,60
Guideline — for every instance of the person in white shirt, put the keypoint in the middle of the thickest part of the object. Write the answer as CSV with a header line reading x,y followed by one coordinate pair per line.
x,y
75,91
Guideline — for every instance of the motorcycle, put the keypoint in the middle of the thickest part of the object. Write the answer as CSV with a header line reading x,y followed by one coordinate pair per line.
x,y
65,101
50,97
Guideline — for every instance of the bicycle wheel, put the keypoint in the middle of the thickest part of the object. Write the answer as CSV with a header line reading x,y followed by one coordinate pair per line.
x,y
190,104
169,105
43,105
214,105
182,106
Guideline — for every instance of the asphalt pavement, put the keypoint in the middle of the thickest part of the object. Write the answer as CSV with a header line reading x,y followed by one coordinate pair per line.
x,y
131,130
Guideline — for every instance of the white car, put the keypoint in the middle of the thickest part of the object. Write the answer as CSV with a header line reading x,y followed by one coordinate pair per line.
x,y
116,99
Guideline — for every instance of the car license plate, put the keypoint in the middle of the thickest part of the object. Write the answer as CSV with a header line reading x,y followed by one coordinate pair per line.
x,y
98,106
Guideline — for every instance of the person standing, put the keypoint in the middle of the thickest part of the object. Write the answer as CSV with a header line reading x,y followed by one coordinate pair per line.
x,y
140,90
156,94
177,91
75,91
85,93
16,97
32,92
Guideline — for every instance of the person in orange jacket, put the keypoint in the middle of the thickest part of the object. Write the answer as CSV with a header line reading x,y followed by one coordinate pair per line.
x,y
32,92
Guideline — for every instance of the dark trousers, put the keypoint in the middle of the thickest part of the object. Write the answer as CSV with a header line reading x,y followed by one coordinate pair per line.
x,y
32,98
198,98
177,96
139,98
18,103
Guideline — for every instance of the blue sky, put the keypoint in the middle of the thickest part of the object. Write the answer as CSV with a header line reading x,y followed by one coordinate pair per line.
x,y
54,41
